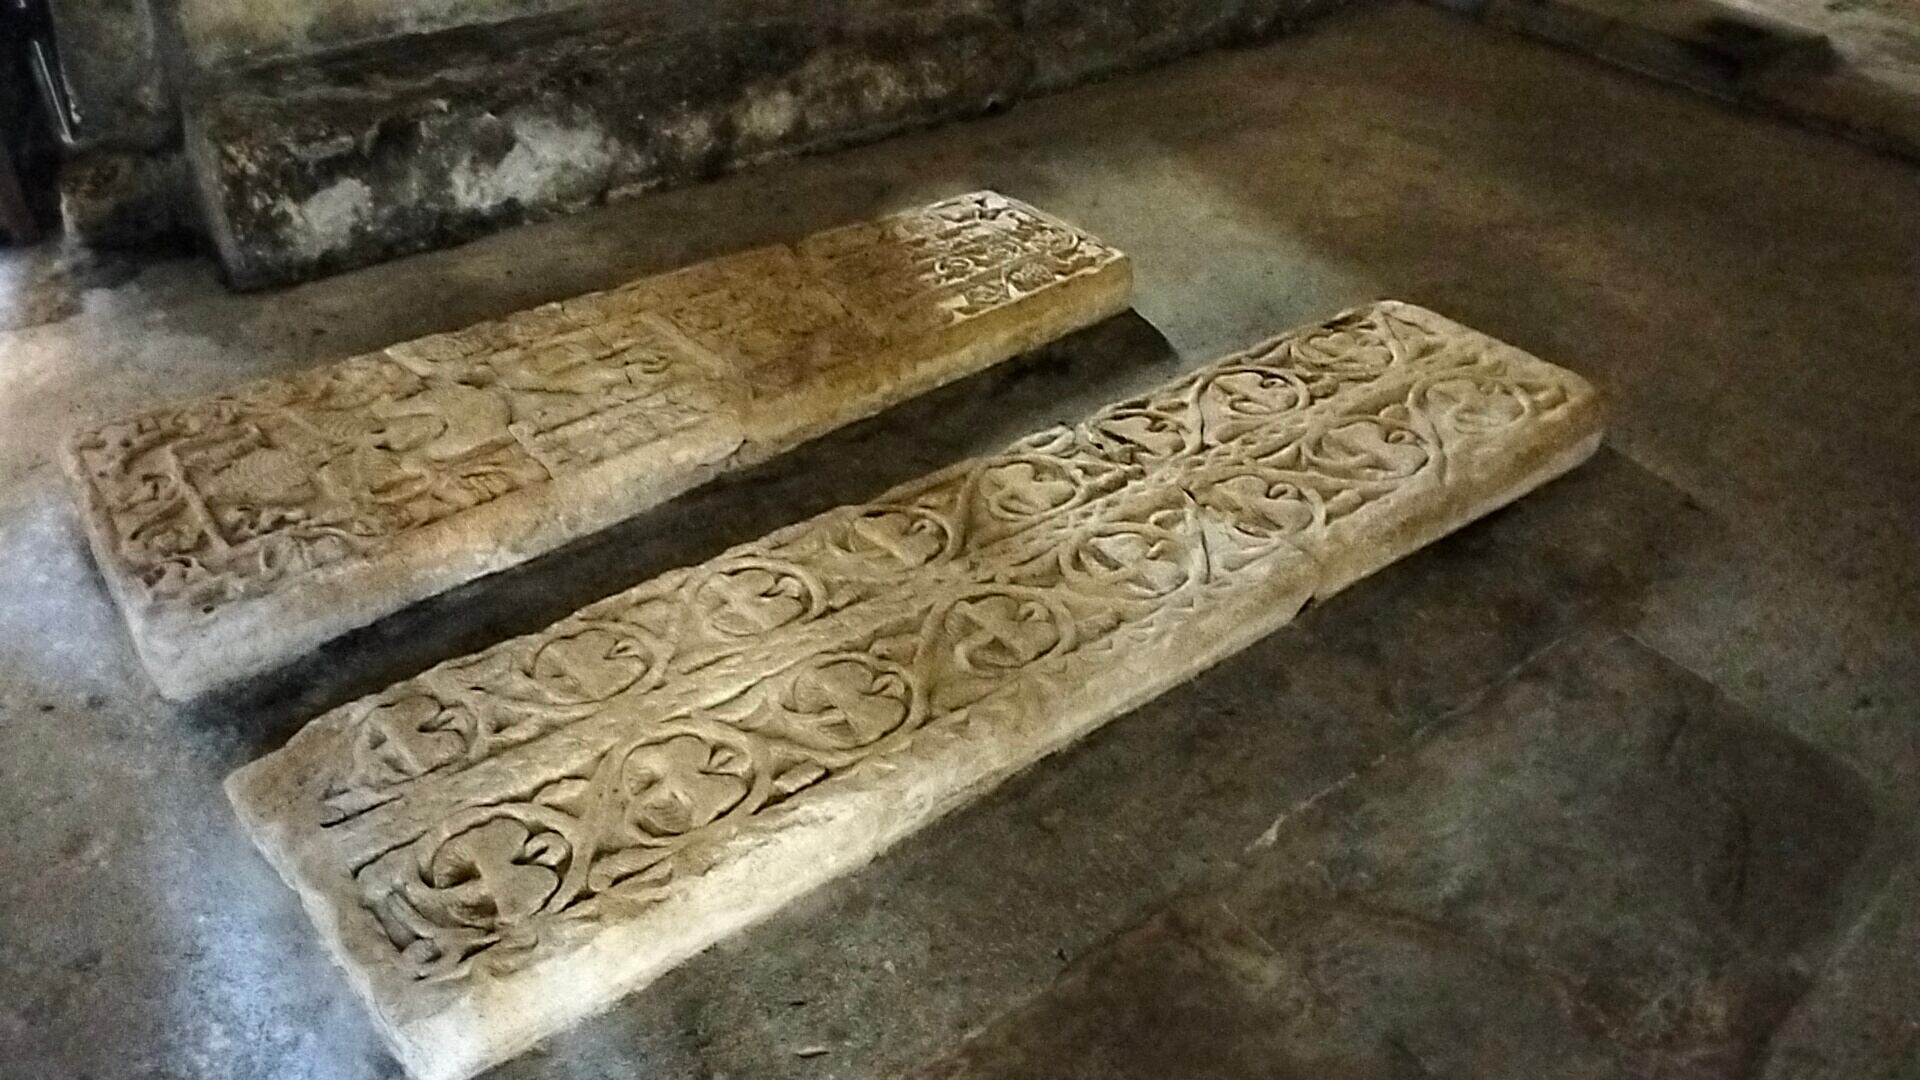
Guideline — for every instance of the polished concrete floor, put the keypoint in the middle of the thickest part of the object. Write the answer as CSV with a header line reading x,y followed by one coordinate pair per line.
x,y
1649,740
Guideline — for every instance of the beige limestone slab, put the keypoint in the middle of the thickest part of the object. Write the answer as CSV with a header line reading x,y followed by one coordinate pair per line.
x,y
239,532
515,839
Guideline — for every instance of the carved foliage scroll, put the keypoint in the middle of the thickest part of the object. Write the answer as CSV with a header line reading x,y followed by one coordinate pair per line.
x,y
717,693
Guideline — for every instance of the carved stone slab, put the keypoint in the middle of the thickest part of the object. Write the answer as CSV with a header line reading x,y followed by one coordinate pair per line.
x,y
517,838
239,532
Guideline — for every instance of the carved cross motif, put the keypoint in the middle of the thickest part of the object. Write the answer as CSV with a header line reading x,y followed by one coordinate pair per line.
x,y
1001,632
1025,489
849,702
498,874
1136,561
592,665
909,539
404,739
753,600
680,785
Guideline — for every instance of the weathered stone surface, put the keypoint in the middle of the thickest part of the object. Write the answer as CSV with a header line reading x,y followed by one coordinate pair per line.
x,y
239,531
1601,870
311,166
515,839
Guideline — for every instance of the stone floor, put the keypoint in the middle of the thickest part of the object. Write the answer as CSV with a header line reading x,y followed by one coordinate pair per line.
x,y
1624,776
1849,66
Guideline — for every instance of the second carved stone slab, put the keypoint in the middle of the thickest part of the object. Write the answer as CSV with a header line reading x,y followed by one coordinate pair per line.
x,y
239,532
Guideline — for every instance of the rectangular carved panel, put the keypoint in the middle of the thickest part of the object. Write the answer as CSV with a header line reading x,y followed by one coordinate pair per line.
x,y
238,532
514,839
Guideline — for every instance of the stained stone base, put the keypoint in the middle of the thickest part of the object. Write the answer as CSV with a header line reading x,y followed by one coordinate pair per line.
x,y
515,839
126,199
307,167
239,532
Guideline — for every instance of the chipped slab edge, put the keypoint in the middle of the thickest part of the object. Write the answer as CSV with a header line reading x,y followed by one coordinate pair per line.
x,y
187,657
797,846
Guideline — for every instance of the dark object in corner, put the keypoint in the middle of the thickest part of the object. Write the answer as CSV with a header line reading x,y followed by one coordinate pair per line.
x,y
27,153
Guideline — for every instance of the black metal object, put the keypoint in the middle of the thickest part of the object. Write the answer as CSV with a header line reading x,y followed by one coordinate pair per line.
x,y
33,100
17,220
35,27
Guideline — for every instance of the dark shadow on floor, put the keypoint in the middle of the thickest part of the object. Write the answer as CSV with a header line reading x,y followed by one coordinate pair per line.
x,y
1600,870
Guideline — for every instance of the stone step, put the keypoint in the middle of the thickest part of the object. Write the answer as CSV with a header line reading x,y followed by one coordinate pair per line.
x,y
237,533
310,165
513,840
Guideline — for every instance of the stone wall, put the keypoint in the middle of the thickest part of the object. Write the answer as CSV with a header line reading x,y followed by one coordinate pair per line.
x,y
324,134
220,33
306,168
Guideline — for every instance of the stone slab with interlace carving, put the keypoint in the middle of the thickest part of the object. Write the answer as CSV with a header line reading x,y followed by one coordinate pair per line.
x,y
239,532
515,839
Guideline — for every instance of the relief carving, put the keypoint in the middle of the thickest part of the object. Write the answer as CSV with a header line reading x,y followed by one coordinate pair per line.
x,y
215,501
626,397
968,256
1248,456
504,810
